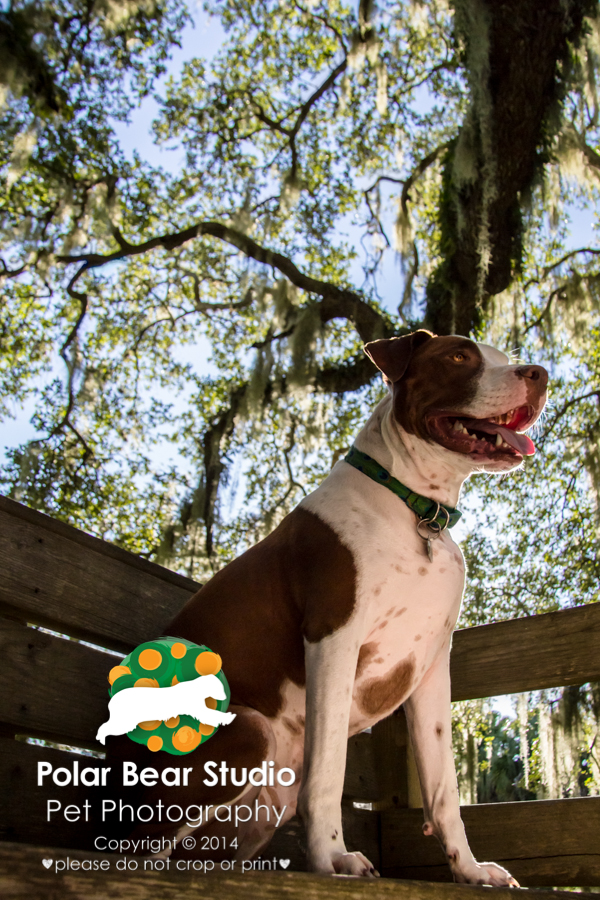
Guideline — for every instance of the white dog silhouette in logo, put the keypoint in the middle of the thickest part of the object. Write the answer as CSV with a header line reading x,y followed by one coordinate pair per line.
x,y
144,704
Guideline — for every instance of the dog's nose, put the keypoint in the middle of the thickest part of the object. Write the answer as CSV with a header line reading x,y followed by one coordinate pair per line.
x,y
535,373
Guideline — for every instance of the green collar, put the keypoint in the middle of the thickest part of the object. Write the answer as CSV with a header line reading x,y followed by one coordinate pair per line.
x,y
431,510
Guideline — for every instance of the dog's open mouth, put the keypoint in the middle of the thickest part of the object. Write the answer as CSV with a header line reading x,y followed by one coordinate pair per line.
x,y
493,436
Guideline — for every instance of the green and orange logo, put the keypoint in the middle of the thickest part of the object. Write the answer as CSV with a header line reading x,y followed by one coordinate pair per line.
x,y
176,696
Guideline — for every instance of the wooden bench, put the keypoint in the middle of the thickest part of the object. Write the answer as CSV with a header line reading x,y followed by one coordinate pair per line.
x,y
56,580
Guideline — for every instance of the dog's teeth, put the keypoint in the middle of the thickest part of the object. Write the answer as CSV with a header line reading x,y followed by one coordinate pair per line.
x,y
457,426
498,440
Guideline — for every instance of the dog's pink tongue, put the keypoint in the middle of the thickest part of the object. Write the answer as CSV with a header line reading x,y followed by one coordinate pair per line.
x,y
520,442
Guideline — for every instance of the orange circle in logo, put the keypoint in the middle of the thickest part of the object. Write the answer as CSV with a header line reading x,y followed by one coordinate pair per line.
x,y
146,682
150,659
178,650
208,663
172,723
149,726
154,743
186,739
116,672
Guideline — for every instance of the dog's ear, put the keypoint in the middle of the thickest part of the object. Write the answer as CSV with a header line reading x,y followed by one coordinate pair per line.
x,y
392,355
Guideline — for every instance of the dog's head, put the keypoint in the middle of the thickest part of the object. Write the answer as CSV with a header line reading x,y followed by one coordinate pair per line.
x,y
466,397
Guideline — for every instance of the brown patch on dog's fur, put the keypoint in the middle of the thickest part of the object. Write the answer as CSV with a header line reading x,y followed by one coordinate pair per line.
x,y
382,695
298,582
400,611
365,655
433,381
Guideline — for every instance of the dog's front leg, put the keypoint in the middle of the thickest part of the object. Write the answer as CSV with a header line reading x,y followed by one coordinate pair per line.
x,y
428,714
330,673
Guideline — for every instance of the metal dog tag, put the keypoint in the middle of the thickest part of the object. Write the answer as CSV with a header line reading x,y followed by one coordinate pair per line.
x,y
432,530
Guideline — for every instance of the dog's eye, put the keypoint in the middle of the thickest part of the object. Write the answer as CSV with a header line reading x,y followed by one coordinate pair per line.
x,y
459,357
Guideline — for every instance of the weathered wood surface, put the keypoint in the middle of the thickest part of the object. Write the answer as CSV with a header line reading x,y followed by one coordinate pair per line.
x,y
550,650
52,686
24,877
54,575
361,781
545,842
23,813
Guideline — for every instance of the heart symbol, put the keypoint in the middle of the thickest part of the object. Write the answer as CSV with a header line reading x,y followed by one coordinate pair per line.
x,y
284,863
47,862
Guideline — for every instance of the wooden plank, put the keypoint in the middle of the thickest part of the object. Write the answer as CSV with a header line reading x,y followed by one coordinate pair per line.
x,y
360,782
23,877
50,685
536,652
542,842
54,575
23,812
562,872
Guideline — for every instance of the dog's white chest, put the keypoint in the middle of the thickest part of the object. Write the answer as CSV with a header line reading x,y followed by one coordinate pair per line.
x,y
406,605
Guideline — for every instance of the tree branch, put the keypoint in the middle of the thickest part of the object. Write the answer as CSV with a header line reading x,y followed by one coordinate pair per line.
x,y
71,365
11,273
292,133
555,293
337,302
212,442
567,405
547,269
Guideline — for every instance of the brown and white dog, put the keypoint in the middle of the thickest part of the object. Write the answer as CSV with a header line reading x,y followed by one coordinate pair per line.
x,y
339,616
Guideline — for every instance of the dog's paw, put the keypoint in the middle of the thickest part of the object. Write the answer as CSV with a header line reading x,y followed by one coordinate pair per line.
x,y
353,864
484,873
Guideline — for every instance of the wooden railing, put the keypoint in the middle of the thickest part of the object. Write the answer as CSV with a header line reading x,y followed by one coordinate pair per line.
x,y
56,577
